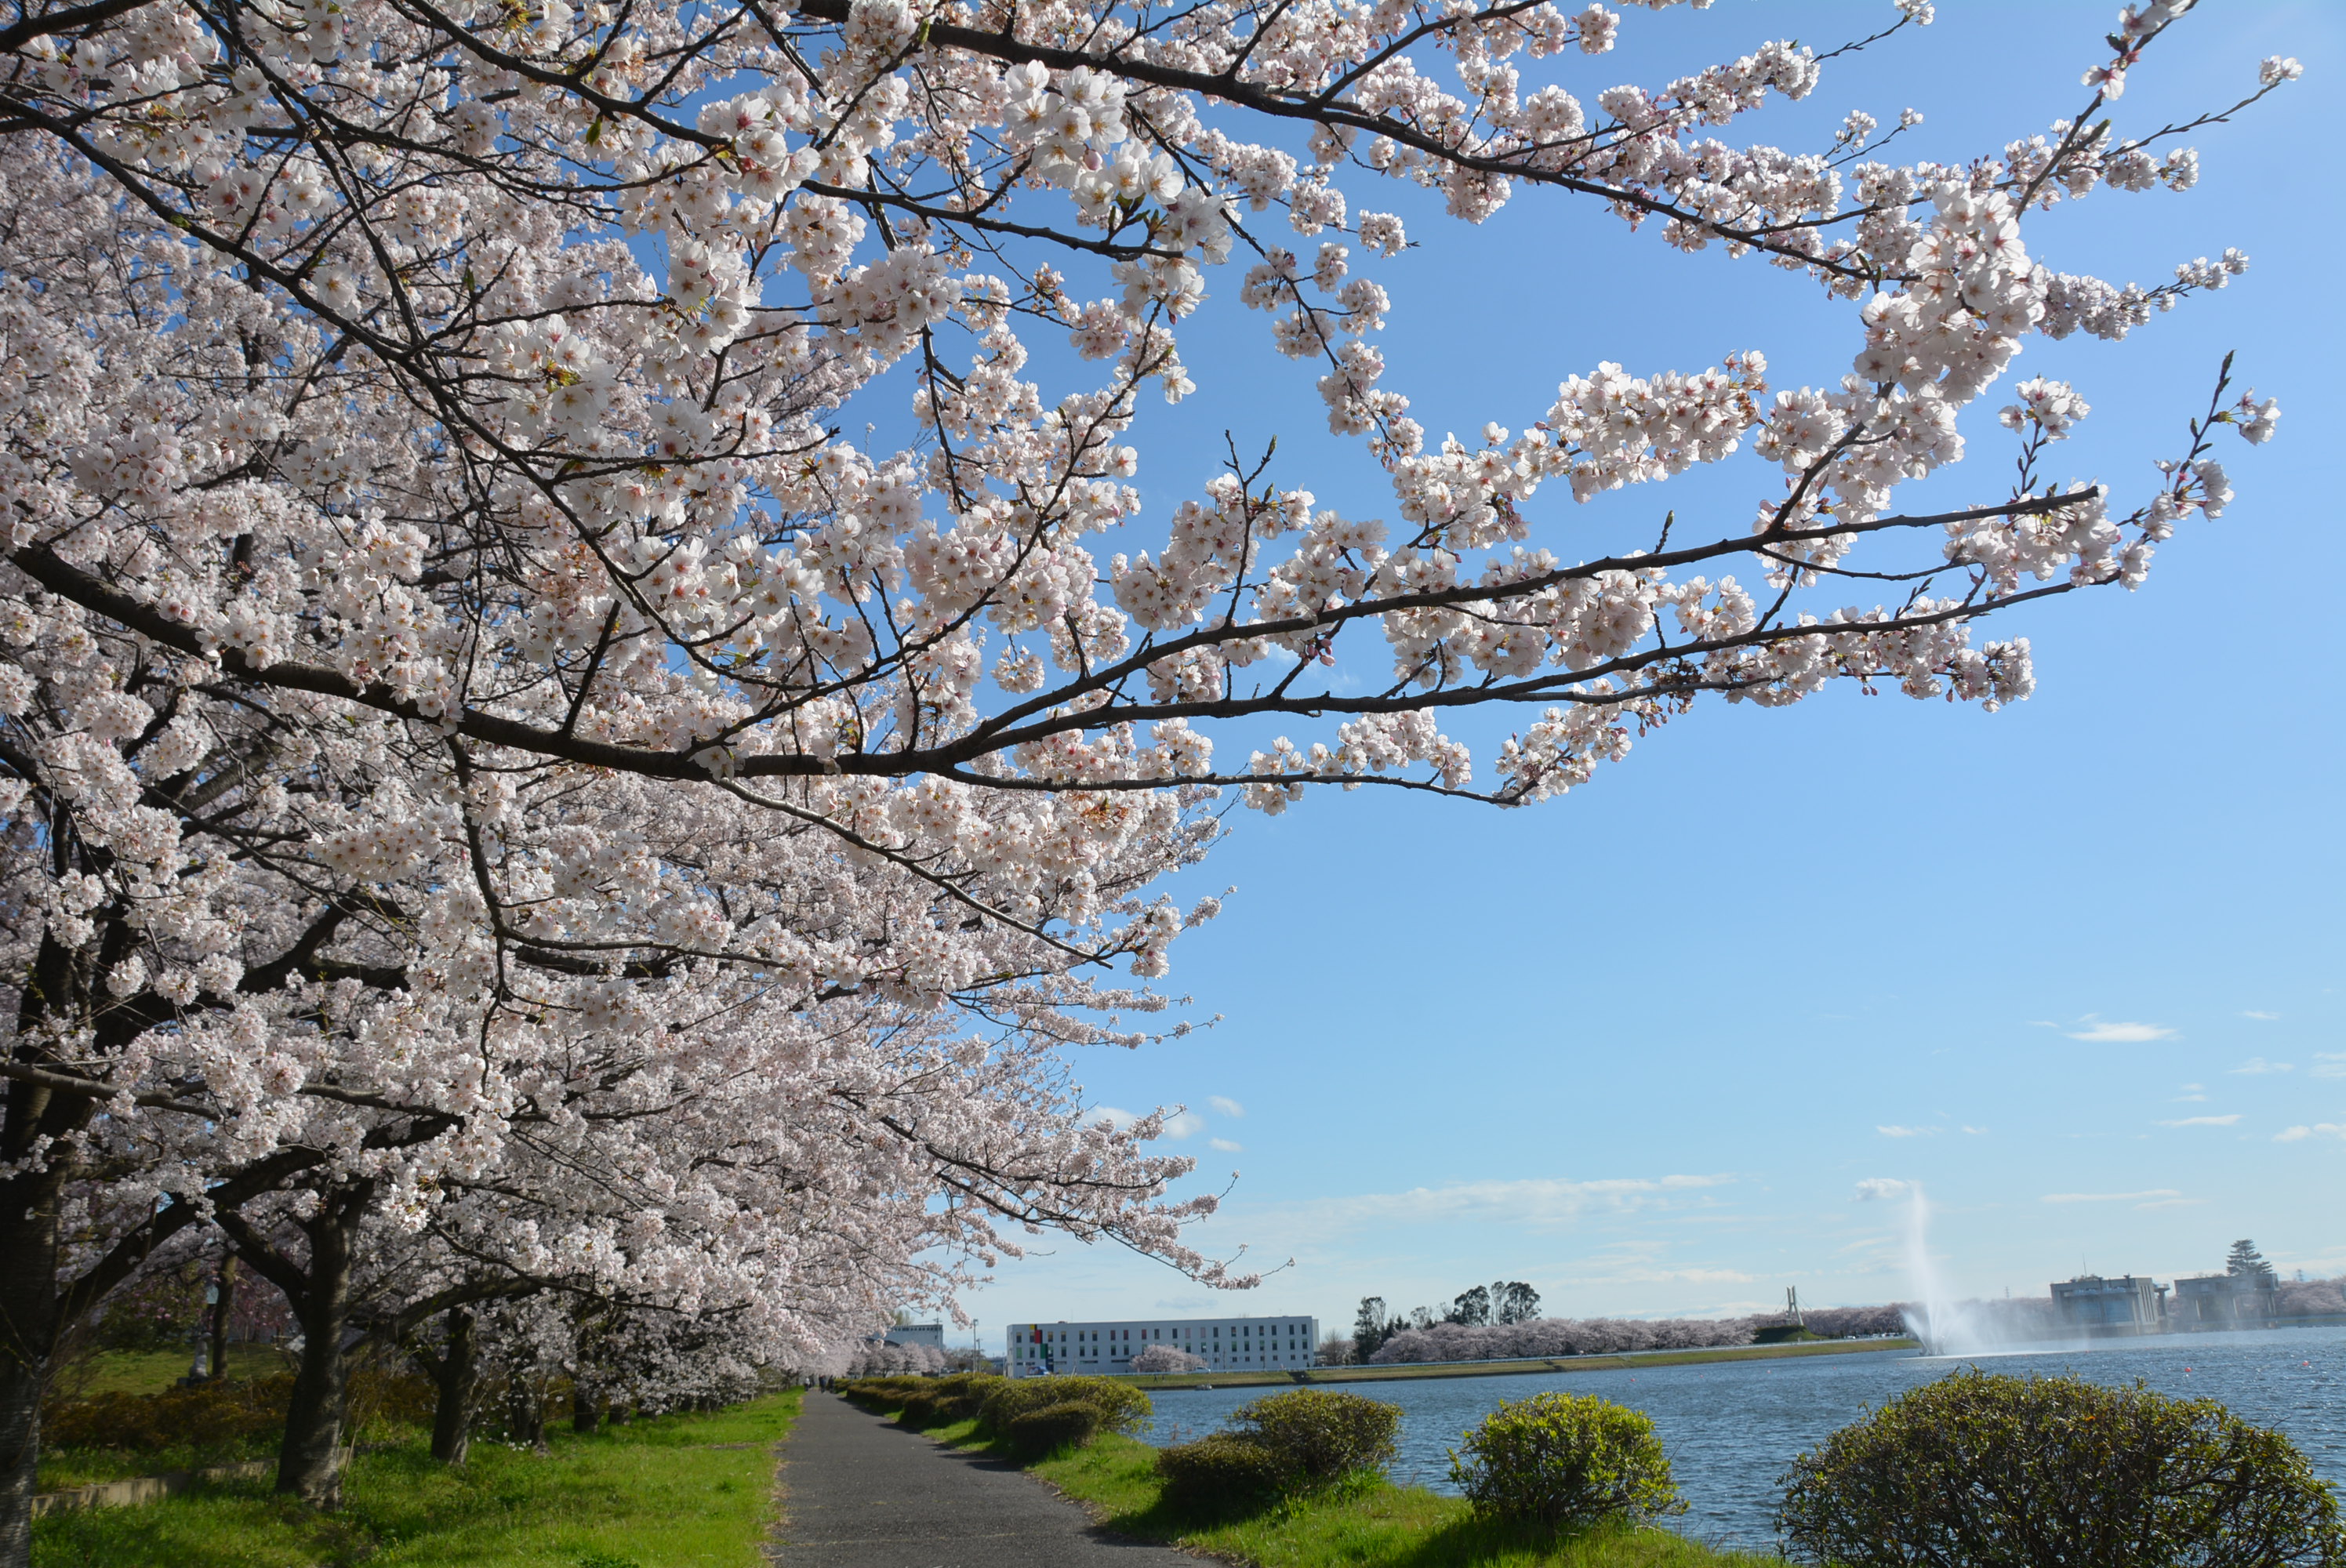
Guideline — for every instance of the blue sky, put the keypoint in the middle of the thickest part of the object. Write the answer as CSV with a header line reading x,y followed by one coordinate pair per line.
x,y
2071,966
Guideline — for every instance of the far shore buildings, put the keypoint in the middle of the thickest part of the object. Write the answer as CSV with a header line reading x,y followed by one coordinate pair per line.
x,y
1224,1344
2226,1301
2129,1304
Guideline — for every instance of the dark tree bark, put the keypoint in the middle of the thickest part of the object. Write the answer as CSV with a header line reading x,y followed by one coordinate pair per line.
x,y
455,1373
585,1408
226,1280
309,1461
525,1409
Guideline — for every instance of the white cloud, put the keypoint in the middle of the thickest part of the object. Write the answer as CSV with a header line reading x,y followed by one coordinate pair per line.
x,y
2108,1197
1976,1132
1114,1118
1906,1131
2318,1129
1226,1105
2258,1064
2329,1063
2268,1017
2192,1092
1530,1202
1184,1126
2172,1202
2102,1031
1880,1189
2203,1121
1225,1144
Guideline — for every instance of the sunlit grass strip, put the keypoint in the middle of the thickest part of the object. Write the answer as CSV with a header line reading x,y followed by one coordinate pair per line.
x,y
1370,1525
671,1492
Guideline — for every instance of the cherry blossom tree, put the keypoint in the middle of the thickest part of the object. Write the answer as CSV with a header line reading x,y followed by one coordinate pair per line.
x,y
1166,1359
463,699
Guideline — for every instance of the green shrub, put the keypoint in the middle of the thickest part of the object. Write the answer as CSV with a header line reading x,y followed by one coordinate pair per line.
x,y
207,1415
957,1398
1322,1436
1223,1473
1122,1407
1047,1429
1991,1471
1566,1461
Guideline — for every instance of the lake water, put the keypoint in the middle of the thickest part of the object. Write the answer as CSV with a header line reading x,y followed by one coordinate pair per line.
x,y
1732,1426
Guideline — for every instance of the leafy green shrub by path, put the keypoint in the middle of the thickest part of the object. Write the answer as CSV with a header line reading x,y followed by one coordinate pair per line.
x,y
1992,1471
1122,1407
1565,1461
1071,1423
1322,1436
1224,1473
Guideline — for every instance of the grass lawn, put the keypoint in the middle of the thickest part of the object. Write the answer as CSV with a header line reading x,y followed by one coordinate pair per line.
x,y
151,1372
1377,1525
679,1491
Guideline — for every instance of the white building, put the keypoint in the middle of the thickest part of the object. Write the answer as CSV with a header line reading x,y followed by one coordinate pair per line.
x,y
930,1334
1224,1344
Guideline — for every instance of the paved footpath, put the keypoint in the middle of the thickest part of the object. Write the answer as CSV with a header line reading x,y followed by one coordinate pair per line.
x,y
859,1491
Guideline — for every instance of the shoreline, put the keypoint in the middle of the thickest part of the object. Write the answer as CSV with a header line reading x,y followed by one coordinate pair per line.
x,y
1404,1370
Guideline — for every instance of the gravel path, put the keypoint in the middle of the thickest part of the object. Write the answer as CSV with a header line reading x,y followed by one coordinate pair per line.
x,y
859,1491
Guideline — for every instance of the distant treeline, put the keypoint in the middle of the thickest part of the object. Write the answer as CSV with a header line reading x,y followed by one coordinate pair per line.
x,y
1422,1337
1611,1336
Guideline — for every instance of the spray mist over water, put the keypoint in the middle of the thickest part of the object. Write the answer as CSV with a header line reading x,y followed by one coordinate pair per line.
x,y
1947,1327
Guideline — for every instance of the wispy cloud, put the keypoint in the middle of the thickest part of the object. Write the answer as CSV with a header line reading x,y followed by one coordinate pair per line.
x,y
1187,1124
1115,1117
2111,1032
2172,1202
2319,1130
2158,1192
2329,1063
2192,1092
1225,1144
1906,1131
1538,1202
2203,1121
2268,1017
1882,1189
2258,1064
1226,1105
1976,1132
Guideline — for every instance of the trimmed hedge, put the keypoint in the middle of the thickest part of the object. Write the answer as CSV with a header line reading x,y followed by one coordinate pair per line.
x,y
1993,1471
1566,1461
1070,1423
1322,1436
221,1415
1122,1407
1221,1474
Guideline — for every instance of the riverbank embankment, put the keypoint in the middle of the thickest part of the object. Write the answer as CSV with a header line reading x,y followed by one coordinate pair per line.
x,y
1400,1371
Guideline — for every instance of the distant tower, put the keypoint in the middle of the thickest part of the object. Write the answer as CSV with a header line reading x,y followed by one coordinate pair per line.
x,y
1792,1306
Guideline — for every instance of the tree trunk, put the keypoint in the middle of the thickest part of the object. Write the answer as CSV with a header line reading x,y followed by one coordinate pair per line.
x,y
309,1463
524,1411
28,1330
220,1310
586,1410
457,1375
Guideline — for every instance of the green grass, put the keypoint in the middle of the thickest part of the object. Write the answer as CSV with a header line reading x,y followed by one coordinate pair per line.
x,y
1375,1524
151,1372
680,1492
